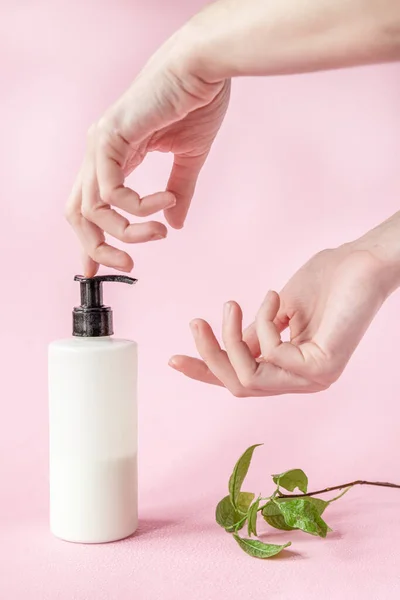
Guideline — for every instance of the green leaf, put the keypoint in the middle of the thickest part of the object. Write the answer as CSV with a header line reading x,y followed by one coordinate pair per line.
x,y
244,501
273,516
290,480
259,549
303,514
239,473
227,516
319,504
252,518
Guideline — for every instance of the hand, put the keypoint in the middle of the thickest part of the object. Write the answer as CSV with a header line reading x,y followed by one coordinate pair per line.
x,y
168,109
327,305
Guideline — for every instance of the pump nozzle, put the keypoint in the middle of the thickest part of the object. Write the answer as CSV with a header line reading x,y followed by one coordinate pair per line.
x,y
92,318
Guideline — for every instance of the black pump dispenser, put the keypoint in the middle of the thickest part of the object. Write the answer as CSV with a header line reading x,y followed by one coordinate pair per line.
x,y
92,318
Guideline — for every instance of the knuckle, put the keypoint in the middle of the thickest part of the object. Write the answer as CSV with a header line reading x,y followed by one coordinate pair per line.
x,y
94,249
268,355
70,214
102,124
99,131
139,210
246,379
104,133
94,253
106,194
87,212
238,393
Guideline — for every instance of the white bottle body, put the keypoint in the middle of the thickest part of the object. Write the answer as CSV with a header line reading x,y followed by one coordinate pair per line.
x,y
93,439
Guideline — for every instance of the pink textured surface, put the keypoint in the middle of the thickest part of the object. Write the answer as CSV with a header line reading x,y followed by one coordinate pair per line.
x,y
301,163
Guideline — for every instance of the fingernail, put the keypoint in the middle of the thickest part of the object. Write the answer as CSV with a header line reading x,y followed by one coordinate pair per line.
x,y
172,363
227,310
158,236
195,328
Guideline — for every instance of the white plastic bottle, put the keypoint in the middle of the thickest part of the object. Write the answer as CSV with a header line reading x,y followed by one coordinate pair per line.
x,y
93,425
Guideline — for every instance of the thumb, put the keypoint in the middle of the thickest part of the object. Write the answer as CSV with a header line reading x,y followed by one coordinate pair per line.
x,y
182,184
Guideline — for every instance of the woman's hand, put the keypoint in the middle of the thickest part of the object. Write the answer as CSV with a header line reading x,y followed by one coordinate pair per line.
x,y
327,305
179,100
168,109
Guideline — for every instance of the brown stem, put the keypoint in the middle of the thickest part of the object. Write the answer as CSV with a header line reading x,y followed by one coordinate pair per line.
x,y
340,487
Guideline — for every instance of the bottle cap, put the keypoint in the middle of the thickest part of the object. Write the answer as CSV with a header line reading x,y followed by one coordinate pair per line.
x,y
92,318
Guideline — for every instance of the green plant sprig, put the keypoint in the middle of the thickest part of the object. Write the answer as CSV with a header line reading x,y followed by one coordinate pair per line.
x,y
286,512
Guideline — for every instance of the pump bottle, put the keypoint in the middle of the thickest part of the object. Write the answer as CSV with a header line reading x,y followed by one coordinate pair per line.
x,y
93,425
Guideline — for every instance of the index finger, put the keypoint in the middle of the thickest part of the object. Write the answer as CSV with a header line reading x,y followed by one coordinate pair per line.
x,y
96,250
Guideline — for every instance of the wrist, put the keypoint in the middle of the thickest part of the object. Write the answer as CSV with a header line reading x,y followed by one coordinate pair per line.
x,y
382,243
195,48
190,67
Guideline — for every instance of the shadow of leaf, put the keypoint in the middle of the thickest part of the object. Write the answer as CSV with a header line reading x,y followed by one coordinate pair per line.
x,y
287,554
297,535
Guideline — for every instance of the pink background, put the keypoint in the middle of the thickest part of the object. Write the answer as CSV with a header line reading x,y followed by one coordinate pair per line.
x,y
301,163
